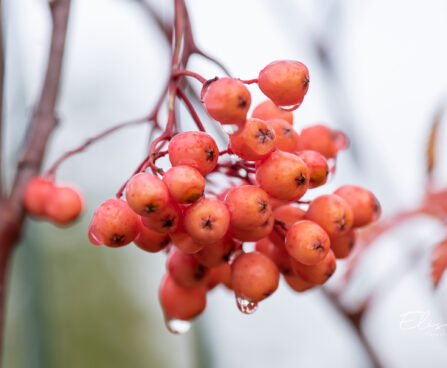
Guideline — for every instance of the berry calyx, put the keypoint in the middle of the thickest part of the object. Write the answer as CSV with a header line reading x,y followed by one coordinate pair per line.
x,y
286,136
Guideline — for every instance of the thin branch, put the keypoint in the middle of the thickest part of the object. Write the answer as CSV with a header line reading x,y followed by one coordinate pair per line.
x,y
191,109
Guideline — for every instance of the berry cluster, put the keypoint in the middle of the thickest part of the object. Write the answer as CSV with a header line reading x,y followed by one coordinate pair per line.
x,y
270,167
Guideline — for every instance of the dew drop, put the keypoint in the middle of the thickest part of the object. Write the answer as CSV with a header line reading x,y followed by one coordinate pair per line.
x,y
246,306
94,237
290,108
177,326
229,128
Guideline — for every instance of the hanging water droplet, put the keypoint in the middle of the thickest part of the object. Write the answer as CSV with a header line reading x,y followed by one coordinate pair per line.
x,y
94,238
177,326
246,306
229,128
290,108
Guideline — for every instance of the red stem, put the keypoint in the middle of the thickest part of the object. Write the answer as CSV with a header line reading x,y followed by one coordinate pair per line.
x,y
249,81
184,72
191,109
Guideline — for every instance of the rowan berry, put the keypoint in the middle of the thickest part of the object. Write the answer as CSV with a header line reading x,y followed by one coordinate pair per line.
x,y
253,141
283,175
365,206
181,303
227,100
35,194
263,246
285,82
322,139
164,220
150,240
146,194
287,215
318,273
220,275
317,165
332,213
254,234
267,110
185,183
196,149
114,224
281,258
297,283
342,245
184,241
249,206
307,242
254,276
207,220
215,254
63,204
186,270
286,136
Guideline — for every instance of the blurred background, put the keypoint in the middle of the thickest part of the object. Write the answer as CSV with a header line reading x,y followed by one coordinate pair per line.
x,y
377,72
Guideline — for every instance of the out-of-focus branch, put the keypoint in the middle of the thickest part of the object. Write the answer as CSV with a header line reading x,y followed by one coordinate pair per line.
x,y
2,74
42,123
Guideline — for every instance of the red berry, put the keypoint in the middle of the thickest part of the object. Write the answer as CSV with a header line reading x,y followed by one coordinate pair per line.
x,y
286,136
263,246
215,254
267,110
254,276
180,303
227,100
63,204
207,220
114,224
322,139
283,175
253,141
150,240
184,242
146,194
186,270
307,242
35,195
185,184
317,165
285,82
249,206
332,213
342,245
220,275
255,234
288,215
297,283
316,274
364,204
196,149
281,258
164,220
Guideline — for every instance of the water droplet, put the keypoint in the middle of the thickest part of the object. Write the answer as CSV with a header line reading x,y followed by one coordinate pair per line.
x,y
246,306
290,107
236,253
177,326
94,237
229,128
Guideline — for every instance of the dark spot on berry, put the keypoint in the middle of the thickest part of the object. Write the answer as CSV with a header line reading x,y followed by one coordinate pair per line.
x,y
241,102
287,131
285,271
118,239
351,244
200,272
207,222
227,256
262,206
267,293
306,82
318,246
375,207
168,221
210,154
165,241
327,172
300,180
264,135
150,208
341,223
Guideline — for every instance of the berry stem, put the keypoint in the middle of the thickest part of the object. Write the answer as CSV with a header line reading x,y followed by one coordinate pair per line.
x,y
184,72
137,170
191,109
249,81
51,171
